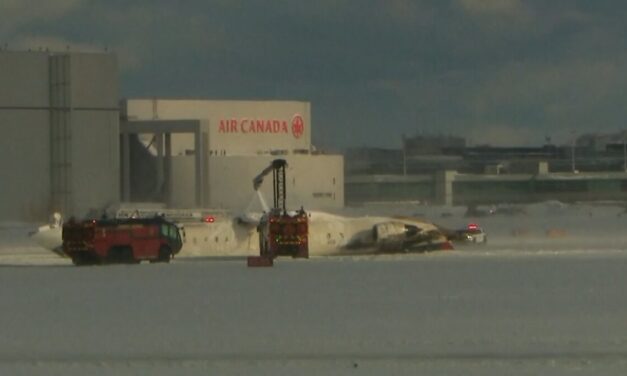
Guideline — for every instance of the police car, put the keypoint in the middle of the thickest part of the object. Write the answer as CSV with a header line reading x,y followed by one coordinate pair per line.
x,y
471,234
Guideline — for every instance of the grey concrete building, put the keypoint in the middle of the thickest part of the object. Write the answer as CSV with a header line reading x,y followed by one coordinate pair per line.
x,y
59,121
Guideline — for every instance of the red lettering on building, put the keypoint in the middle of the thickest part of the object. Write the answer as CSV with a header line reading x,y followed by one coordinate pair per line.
x,y
228,126
259,124
269,126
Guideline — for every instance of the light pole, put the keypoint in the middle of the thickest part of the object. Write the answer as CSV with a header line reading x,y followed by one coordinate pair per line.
x,y
404,158
572,155
624,154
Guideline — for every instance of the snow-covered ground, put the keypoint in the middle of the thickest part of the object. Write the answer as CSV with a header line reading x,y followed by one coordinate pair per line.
x,y
540,307
441,313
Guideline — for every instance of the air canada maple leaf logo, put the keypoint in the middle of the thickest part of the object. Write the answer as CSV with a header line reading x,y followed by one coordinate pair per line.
x,y
298,126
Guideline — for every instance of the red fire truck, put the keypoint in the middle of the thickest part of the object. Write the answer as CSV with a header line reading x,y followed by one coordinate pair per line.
x,y
284,234
121,240
281,233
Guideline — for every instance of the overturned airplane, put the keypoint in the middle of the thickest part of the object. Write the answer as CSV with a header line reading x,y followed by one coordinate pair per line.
x,y
207,234
221,234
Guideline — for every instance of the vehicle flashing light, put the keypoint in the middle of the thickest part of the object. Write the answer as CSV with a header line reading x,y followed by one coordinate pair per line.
x,y
209,219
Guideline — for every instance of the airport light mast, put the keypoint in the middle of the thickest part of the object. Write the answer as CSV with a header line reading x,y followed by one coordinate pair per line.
x,y
624,153
572,154
404,143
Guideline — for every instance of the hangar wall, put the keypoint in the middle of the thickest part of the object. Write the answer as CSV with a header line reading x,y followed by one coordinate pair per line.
x,y
312,181
59,121
234,127
96,161
240,139
24,165
24,145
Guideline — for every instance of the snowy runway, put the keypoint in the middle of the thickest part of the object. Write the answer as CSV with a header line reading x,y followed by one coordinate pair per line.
x,y
453,313
546,295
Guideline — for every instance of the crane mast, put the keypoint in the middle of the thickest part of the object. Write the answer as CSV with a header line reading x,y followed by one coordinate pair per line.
x,y
279,187
277,167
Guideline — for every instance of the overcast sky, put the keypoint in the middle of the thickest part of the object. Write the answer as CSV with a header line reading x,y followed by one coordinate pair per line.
x,y
506,72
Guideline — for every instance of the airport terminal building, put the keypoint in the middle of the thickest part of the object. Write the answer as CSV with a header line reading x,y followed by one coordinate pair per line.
x,y
70,145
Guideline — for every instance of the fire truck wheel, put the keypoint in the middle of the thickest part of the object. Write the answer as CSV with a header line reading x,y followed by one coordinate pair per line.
x,y
77,260
119,255
82,260
165,254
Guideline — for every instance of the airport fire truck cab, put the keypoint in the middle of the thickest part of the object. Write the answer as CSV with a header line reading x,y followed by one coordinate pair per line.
x,y
120,240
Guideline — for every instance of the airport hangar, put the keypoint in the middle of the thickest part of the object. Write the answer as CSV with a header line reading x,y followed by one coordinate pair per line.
x,y
68,144
207,152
